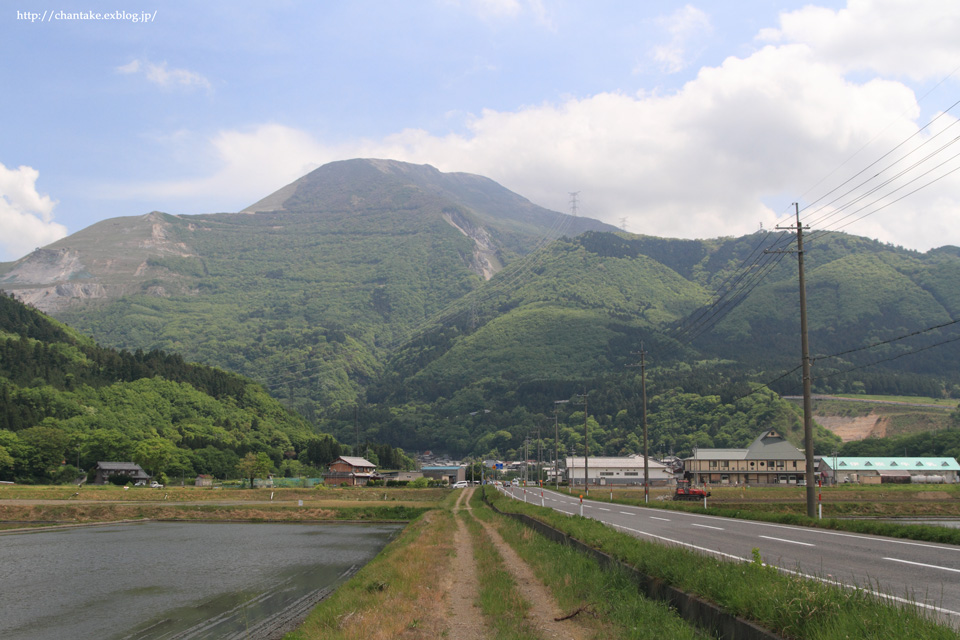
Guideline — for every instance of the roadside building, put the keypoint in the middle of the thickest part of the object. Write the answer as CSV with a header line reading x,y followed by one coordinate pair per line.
x,y
203,481
401,476
104,470
620,471
449,473
350,471
880,470
770,459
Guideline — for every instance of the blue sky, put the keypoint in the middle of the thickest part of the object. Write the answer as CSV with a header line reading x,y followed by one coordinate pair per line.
x,y
670,118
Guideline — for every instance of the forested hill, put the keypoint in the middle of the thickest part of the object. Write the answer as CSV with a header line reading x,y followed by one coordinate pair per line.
x,y
410,303
64,400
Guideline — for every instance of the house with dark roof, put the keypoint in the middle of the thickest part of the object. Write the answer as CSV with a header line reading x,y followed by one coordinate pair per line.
x,y
351,471
106,469
770,459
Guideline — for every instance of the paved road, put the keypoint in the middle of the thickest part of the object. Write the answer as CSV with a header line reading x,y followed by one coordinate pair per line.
x,y
925,573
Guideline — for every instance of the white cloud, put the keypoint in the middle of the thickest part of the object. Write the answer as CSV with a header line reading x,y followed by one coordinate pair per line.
x,y
730,150
686,28
160,75
252,163
26,217
916,39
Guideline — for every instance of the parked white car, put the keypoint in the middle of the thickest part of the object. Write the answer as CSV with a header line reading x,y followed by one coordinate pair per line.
x,y
156,485
463,484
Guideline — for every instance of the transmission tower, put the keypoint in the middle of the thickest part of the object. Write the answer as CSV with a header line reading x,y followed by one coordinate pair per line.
x,y
574,195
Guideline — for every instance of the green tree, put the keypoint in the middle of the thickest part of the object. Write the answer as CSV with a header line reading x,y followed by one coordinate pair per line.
x,y
154,455
6,462
254,465
45,448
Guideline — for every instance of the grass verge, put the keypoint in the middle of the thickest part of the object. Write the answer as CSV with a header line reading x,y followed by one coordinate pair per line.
x,y
576,581
396,595
502,605
791,606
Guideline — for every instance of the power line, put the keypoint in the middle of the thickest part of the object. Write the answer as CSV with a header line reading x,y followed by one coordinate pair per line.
x,y
885,342
896,357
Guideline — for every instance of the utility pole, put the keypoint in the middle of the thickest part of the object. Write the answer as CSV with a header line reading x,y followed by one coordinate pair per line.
x,y
539,456
556,447
586,447
646,450
805,353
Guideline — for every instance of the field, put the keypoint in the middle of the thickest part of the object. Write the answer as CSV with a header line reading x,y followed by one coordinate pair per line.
x,y
23,505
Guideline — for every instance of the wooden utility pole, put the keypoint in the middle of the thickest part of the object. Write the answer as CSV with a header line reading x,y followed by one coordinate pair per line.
x,y
556,447
646,451
586,447
805,354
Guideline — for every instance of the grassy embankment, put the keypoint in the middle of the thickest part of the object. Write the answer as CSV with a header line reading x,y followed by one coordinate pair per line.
x,y
577,582
792,606
394,594
397,594
503,607
57,505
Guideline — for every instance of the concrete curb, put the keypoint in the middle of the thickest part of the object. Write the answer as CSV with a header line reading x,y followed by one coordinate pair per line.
x,y
695,610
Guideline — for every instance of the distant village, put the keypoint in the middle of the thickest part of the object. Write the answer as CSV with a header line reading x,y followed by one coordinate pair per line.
x,y
770,460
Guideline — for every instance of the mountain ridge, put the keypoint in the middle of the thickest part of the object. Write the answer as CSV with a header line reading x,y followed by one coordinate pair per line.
x,y
390,285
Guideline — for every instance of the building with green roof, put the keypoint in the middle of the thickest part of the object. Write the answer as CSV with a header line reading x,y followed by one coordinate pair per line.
x,y
877,470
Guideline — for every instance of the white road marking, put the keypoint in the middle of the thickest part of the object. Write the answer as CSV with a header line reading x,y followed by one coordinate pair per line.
x,y
627,513
921,564
806,544
656,518
878,594
706,526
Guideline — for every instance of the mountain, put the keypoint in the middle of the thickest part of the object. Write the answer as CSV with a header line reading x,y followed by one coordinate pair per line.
x,y
63,398
440,310
307,289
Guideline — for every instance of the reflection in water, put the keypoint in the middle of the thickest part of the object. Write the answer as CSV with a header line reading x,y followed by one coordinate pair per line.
x,y
174,580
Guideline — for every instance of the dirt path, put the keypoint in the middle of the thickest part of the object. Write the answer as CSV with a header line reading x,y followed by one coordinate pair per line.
x,y
544,610
465,619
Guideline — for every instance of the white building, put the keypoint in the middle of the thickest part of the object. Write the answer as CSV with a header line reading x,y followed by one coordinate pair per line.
x,y
620,471
877,470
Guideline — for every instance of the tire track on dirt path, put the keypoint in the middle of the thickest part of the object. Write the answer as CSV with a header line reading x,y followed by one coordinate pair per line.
x,y
544,610
465,620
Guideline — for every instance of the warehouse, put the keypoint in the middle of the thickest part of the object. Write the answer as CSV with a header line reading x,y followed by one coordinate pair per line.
x,y
878,470
620,471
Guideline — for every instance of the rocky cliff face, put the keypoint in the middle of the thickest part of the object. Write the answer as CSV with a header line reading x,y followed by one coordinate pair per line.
x,y
110,259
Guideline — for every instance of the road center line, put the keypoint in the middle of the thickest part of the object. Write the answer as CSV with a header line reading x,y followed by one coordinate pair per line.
x,y
705,526
656,518
627,513
921,564
603,509
806,544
